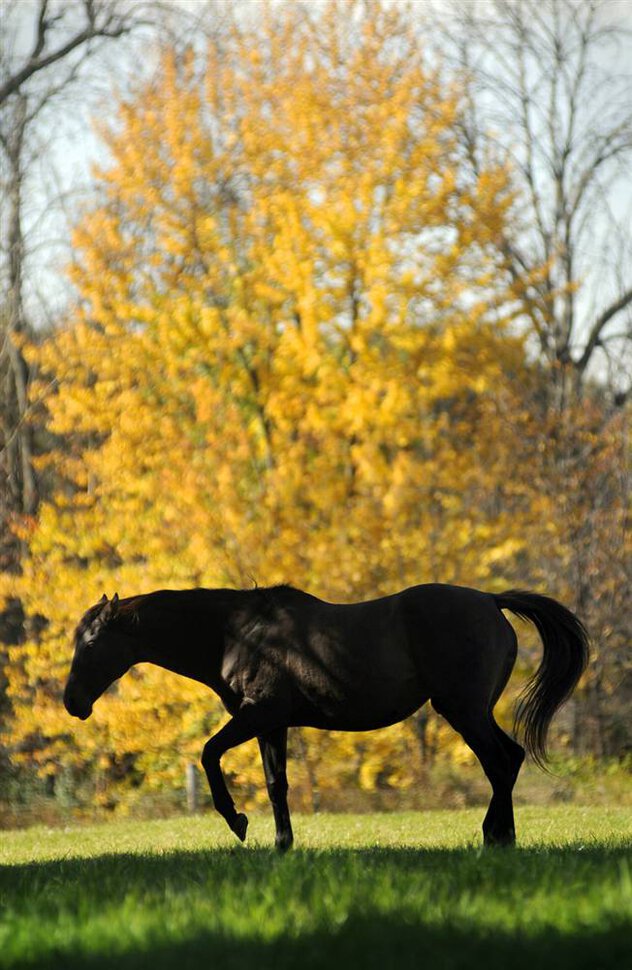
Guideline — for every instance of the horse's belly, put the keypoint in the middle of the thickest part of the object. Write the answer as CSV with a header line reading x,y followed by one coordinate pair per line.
x,y
364,710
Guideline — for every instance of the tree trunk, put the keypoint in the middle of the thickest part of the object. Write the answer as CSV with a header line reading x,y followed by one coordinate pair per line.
x,y
20,497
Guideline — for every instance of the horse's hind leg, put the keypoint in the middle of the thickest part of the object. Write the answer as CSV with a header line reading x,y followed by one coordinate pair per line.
x,y
515,754
500,758
274,756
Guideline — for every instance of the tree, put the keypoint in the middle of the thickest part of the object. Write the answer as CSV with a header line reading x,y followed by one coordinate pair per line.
x,y
549,87
303,350
46,48
62,30
37,76
293,334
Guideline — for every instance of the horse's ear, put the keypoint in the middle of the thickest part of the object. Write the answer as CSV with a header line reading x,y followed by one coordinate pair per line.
x,y
110,607
105,614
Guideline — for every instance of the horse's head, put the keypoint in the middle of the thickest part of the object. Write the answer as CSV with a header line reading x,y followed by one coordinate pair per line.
x,y
103,653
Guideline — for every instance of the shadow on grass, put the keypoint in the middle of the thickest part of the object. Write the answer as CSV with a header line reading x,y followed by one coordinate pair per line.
x,y
368,944
389,937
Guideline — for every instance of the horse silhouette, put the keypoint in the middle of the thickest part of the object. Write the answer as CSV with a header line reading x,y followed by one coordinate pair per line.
x,y
281,658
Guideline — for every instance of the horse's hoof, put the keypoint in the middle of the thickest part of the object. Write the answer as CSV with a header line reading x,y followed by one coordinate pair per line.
x,y
240,826
283,842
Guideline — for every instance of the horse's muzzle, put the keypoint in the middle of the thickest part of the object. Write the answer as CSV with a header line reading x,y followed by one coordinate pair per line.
x,y
76,705
82,715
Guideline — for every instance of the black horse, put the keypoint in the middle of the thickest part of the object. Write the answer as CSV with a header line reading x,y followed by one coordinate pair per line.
x,y
281,658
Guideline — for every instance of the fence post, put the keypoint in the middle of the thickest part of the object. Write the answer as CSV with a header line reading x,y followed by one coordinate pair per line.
x,y
191,787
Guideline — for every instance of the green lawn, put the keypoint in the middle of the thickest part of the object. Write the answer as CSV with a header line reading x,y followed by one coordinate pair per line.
x,y
374,891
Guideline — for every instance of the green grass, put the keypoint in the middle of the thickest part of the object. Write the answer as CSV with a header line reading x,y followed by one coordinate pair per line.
x,y
375,891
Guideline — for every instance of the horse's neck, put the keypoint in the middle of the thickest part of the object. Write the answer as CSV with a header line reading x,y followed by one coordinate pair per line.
x,y
183,634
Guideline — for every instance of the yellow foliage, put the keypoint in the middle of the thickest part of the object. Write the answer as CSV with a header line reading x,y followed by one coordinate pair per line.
x,y
285,365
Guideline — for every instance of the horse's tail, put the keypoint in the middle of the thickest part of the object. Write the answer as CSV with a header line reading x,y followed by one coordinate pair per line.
x,y
566,653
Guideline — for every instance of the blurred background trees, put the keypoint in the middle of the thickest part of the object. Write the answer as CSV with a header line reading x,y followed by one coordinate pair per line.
x,y
344,310
549,86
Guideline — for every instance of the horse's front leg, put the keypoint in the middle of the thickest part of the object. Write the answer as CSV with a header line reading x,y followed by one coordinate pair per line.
x,y
274,756
249,721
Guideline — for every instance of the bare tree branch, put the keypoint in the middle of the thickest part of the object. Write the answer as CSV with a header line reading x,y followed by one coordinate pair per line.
x,y
102,20
548,88
600,323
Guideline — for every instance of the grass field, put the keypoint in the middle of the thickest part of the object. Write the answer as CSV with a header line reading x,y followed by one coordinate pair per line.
x,y
374,891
